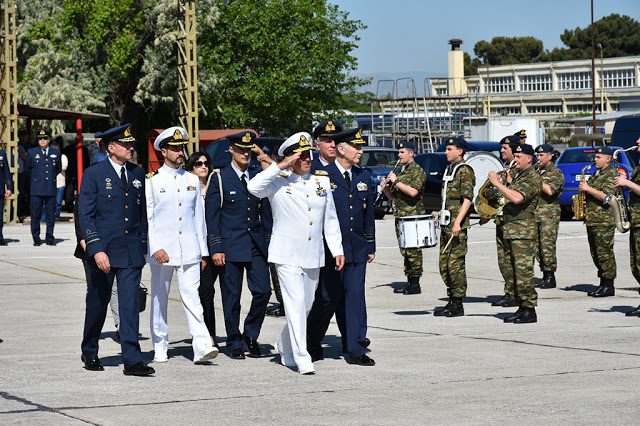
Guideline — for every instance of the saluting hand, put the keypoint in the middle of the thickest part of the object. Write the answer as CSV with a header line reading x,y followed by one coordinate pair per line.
x,y
339,263
161,256
102,260
288,161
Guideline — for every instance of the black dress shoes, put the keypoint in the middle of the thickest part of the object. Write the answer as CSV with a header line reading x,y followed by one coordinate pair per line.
x,y
362,360
51,243
139,369
237,354
3,243
92,363
37,243
316,354
252,346
505,301
633,313
365,344
278,311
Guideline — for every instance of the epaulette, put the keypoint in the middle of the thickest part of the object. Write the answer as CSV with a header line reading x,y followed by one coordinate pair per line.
x,y
152,174
283,174
321,173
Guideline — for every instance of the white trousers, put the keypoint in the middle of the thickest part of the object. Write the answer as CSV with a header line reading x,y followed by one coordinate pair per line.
x,y
298,287
188,282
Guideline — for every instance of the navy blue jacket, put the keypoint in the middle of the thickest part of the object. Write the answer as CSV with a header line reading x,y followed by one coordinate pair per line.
x,y
5,173
356,213
316,164
43,170
113,219
243,220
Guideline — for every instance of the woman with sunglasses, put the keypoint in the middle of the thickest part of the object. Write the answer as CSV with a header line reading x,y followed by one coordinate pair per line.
x,y
199,163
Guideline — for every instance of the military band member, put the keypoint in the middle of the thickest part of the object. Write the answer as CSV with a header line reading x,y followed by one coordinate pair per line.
x,y
406,190
177,243
323,141
343,292
239,228
548,215
113,216
634,235
303,209
522,136
453,234
520,231
508,143
599,221
43,163
6,188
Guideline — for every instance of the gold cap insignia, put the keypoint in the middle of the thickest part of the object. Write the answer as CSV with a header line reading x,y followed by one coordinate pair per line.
x,y
519,149
177,135
127,132
359,135
304,141
330,127
42,132
401,145
450,141
247,137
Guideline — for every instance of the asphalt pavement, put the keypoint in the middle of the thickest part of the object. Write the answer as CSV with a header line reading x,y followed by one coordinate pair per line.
x,y
578,365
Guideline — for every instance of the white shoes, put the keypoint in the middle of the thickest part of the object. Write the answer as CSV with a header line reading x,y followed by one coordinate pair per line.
x,y
205,355
160,357
306,369
287,360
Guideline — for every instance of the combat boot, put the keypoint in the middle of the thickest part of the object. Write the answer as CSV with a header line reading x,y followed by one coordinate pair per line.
x,y
514,317
404,287
456,310
542,282
441,312
527,315
548,281
506,301
413,287
606,288
633,313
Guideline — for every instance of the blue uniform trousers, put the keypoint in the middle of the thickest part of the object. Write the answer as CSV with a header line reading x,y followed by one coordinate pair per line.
x,y
341,293
98,297
1,215
231,289
36,214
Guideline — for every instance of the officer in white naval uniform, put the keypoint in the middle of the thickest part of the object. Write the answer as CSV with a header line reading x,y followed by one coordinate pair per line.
x,y
303,208
177,241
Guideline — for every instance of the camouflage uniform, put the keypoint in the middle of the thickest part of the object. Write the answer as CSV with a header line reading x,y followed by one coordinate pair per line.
x,y
520,236
452,262
548,218
600,224
413,175
505,270
634,237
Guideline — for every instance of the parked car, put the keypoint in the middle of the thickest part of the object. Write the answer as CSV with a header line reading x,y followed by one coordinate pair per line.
x,y
379,161
571,162
434,165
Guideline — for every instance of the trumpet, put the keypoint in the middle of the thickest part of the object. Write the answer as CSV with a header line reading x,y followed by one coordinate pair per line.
x,y
384,183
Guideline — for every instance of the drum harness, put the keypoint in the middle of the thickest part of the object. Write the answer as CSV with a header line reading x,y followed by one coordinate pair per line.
x,y
445,215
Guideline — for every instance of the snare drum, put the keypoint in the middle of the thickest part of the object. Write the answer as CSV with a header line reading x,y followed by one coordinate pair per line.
x,y
417,231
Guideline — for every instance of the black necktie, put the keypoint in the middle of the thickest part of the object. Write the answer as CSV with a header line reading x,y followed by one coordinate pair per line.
x,y
123,177
347,178
44,152
244,181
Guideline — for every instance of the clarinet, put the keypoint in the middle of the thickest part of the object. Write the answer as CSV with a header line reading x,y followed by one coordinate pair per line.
x,y
384,183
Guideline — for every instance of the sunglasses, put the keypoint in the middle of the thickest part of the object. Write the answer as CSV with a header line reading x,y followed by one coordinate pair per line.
x,y
201,163
43,138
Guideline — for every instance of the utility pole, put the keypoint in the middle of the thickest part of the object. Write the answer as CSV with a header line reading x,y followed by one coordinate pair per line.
x,y
9,100
593,71
188,72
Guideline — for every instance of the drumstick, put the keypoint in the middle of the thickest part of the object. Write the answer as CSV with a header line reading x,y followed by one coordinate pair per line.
x,y
447,246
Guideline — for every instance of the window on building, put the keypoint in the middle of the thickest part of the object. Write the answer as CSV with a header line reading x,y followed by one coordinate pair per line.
x,y
619,78
501,84
535,83
574,80
580,108
545,109
505,111
441,91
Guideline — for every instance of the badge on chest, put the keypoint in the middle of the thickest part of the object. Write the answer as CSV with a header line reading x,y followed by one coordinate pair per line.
x,y
362,186
320,190
107,183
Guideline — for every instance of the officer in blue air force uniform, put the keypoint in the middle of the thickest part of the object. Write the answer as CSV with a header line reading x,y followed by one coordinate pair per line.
x,y
324,143
238,234
343,292
113,217
5,182
44,164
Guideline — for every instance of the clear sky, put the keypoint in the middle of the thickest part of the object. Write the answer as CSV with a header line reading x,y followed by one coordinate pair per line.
x,y
412,35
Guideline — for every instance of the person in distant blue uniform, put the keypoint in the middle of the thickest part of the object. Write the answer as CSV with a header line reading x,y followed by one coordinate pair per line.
x,y
6,188
113,218
343,291
238,228
101,154
43,163
323,142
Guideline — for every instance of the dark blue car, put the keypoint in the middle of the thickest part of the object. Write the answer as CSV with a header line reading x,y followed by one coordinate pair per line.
x,y
571,162
380,161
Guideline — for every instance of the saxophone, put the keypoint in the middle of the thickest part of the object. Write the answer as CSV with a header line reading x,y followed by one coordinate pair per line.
x,y
580,199
617,200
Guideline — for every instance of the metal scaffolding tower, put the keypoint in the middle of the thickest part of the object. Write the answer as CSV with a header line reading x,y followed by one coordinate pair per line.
x,y
9,100
188,72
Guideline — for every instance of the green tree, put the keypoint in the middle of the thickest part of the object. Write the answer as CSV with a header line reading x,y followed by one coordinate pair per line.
x,y
356,101
276,62
618,35
509,50
471,65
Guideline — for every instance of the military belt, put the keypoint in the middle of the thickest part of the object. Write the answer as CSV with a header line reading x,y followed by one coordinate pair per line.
x,y
520,216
